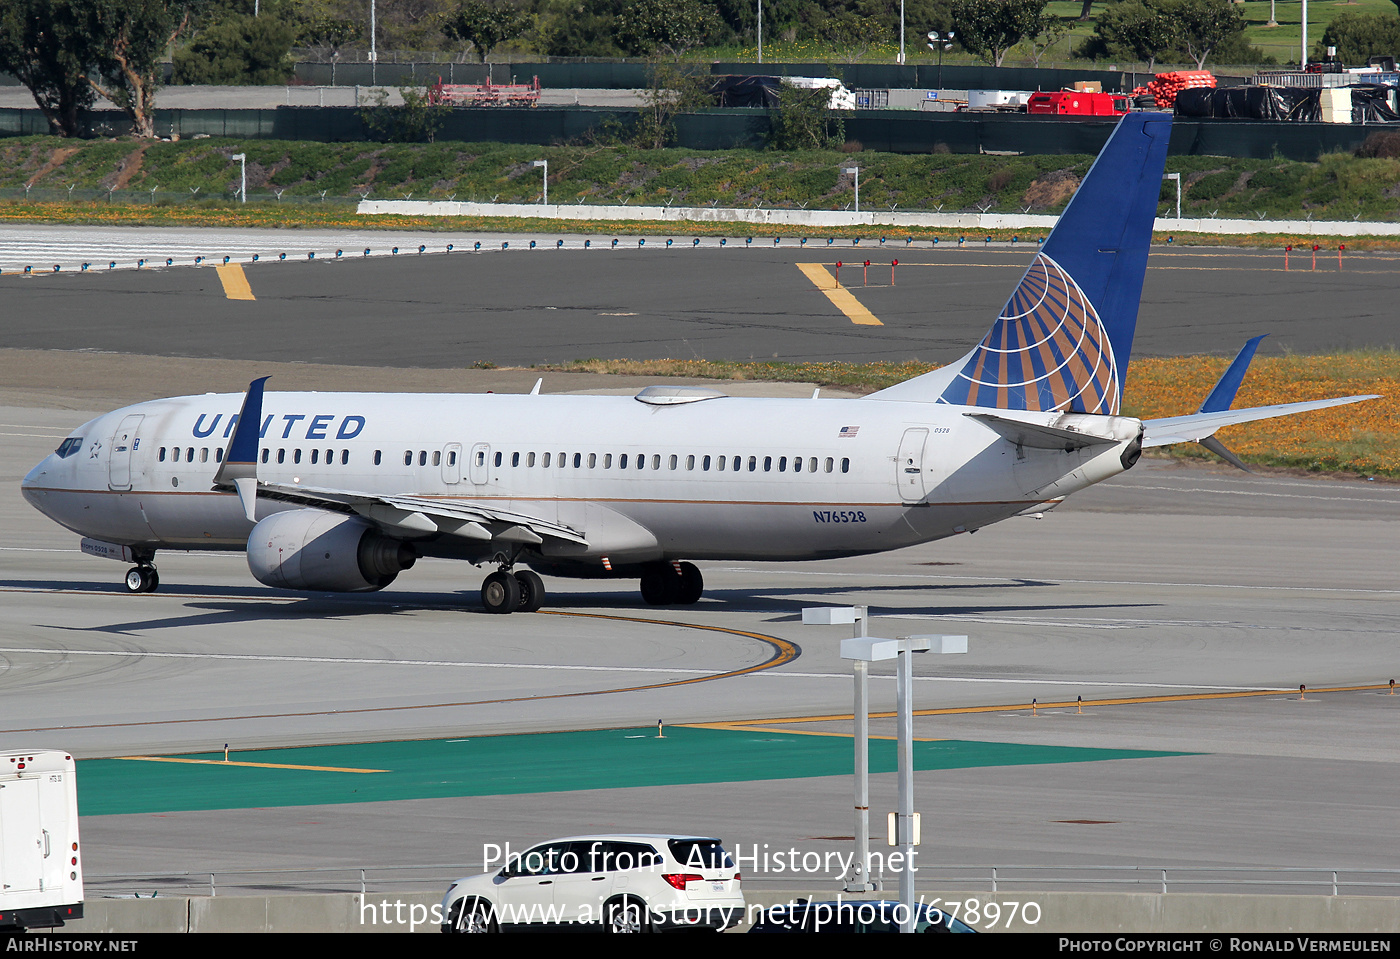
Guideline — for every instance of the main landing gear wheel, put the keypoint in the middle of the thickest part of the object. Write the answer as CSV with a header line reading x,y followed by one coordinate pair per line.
x,y
142,579
531,591
668,584
500,592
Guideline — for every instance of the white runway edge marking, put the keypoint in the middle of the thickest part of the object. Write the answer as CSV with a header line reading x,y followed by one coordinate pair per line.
x,y
349,661
1056,582
1249,492
352,661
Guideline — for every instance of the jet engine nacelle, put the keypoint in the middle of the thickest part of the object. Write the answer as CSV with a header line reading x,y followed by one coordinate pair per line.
x,y
310,549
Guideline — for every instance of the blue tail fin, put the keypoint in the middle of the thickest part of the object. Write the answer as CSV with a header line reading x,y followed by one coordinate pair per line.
x,y
1064,337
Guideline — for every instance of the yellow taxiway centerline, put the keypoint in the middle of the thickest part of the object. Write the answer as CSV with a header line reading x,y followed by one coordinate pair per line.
x,y
220,762
235,282
777,721
839,296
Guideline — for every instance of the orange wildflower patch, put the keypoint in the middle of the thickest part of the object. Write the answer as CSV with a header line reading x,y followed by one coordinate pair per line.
x,y
1360,437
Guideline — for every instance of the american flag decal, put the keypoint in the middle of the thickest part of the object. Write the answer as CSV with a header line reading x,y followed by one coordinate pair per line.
x,y
849,431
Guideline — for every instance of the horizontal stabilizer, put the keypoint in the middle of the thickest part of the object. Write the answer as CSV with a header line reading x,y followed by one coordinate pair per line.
x,y
1058,435
1197,426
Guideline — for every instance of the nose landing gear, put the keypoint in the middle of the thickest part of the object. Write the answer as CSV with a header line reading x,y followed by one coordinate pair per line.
x,y
142,579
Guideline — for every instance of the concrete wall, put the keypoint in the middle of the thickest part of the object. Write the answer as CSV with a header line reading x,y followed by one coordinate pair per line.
x,y
1059,912
836,219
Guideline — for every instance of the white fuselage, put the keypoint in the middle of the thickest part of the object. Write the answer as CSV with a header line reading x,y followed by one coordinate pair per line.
x,y
719,478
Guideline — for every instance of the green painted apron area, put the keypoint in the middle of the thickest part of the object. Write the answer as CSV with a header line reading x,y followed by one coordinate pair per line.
x,y
509,765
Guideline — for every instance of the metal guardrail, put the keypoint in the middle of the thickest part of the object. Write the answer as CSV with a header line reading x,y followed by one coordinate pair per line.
x,y
1281,879
1270,880
326,879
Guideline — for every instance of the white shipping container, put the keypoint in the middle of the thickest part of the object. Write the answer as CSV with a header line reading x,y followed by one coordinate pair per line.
x,y
991,99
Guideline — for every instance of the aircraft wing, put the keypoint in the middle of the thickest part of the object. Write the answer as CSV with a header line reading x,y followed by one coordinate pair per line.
x,y
1195,427
423,515
399,515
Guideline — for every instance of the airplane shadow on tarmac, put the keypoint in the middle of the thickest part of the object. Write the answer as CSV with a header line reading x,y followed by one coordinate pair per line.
x,y
255,604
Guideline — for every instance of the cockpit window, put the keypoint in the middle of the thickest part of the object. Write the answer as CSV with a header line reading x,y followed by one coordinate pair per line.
x,y
69,446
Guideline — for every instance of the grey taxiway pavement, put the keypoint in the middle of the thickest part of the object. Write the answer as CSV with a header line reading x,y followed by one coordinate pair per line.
x,y
1166,585
521,307
1170,588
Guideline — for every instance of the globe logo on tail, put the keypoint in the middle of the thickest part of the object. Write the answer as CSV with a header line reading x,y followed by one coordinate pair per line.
x,y
1047,351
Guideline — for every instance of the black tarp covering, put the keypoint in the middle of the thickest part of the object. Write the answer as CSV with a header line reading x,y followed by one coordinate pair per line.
x,y
1369,104
1251,103
735,91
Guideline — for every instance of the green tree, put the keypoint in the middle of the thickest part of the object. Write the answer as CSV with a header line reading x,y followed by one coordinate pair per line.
x,y
1360,36
990,28
483,24
647,27
804,120
1133,30
416,120
1206,25
579,28
853,35
126,40
42,44
1040,44
328,33
669,92
1171,31
247,50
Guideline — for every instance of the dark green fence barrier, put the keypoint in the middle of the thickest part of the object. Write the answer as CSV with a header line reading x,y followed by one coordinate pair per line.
x,y
894,131
631,75
600,76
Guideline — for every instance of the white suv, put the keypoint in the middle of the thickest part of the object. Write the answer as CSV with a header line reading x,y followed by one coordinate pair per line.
x,y
615,883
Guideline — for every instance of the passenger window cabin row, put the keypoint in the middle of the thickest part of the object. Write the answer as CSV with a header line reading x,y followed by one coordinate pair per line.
x,y
622,461
675,461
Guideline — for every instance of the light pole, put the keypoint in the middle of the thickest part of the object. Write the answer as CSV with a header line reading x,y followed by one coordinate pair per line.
x,y
854,171
901,33
373,53
937,41
544,201
858,879
1303,47
242,159
760,31
864,649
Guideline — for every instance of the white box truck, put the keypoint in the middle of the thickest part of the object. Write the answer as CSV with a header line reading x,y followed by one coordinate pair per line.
x,y
41,876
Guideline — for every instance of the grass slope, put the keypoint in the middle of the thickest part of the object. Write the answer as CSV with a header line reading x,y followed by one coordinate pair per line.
x,y
1339,186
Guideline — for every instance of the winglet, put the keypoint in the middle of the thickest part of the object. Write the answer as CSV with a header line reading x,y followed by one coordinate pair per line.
x,y
240,466
1225,389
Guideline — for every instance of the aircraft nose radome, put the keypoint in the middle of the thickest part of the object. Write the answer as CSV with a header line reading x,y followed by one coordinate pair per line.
x,y
31,480
33,477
